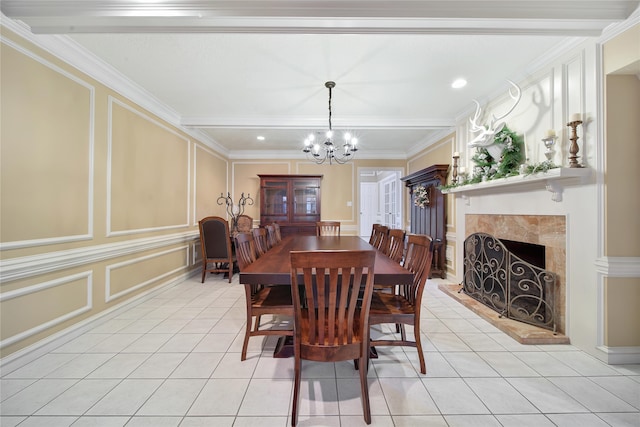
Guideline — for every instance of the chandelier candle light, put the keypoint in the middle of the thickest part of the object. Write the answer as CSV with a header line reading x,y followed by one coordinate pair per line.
x,y
320,153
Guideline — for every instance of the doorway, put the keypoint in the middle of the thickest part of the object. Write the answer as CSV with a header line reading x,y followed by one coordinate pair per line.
x,y
380,198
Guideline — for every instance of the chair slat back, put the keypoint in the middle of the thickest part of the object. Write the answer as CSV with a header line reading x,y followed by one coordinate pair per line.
x,y
418,261
261,241
394,248
378,236
332,283
271,235
245,250
328,228
278,236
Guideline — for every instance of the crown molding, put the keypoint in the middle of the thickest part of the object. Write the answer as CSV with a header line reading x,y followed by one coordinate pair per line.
x,y
567,17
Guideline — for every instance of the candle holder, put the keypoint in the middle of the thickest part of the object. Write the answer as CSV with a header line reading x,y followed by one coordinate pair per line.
x,y
549,143
454,177
234,211
573,148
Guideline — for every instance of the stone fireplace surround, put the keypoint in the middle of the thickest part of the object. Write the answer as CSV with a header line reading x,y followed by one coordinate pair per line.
x,y
545,230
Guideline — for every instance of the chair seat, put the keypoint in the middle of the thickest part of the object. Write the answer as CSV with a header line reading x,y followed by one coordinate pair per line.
x,y
274,297
385,304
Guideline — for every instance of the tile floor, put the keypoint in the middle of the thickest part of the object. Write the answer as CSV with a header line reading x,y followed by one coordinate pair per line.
x,y
174,360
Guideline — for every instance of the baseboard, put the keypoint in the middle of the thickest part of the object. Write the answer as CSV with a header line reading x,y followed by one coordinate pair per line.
x,y
620,355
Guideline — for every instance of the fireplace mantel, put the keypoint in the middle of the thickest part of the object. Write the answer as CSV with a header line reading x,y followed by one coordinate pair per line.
x,y
553,180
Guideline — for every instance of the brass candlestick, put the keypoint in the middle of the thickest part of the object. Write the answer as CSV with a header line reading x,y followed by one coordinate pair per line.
x,y
573,148
454,177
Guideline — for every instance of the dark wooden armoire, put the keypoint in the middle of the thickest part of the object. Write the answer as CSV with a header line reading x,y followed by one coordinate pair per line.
x,y
431,219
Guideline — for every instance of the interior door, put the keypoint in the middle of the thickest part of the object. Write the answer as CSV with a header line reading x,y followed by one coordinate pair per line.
x,y
391,202
368,207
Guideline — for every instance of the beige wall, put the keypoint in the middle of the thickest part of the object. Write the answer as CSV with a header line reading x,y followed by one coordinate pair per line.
x,y
100,198
622,296
621,60
339,185
622,174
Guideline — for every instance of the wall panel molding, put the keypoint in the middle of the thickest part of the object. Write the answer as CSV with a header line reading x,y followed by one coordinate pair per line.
x,y
88,275
90,140
108,297
29,266
111,102
618,266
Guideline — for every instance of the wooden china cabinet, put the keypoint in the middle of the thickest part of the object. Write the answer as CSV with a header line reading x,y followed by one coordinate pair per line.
x,y
293,201
431,219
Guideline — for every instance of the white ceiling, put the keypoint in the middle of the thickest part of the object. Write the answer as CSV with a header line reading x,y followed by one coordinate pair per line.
x,y
239,69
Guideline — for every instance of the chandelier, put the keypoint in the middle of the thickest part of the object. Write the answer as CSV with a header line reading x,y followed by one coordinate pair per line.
x,y
328,151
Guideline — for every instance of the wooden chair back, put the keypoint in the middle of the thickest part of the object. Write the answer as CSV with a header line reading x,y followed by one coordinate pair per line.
x,y
261,241
245,250
271,235
418,261
328,228
244,224
378,236
278,236
331,313
215,243
394,247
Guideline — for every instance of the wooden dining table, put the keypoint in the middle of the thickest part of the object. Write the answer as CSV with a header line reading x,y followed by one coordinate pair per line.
x,y
274,268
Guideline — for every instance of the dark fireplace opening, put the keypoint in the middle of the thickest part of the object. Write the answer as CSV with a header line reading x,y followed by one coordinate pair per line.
x,y
529,252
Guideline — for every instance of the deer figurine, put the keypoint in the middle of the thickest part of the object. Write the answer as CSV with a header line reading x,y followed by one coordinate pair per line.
x,y
487,133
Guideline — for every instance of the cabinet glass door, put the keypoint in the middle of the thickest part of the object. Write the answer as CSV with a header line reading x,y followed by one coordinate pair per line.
x,y
275,199
305,203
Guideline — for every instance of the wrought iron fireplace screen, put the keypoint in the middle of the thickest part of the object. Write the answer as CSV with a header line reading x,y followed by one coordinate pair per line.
x,y
509,285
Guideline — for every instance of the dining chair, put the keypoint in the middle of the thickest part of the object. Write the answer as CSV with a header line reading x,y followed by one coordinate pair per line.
x,y
402,307
271,235
260,299
261,241
378,236
278,236
215,244
330,320
394,246
328,228
244,223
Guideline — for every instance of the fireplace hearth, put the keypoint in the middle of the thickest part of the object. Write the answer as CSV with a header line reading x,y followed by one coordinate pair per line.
x,y
509,277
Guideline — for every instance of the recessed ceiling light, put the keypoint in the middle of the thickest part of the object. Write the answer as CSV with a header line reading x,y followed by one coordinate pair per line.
x,y
260,138
458,83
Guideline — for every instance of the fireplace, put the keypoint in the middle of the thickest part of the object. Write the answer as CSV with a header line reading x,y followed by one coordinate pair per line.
x,y
508,277
547,231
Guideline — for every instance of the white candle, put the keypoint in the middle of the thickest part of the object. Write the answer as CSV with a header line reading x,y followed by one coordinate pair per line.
x,y
551,133
456,154
575,117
